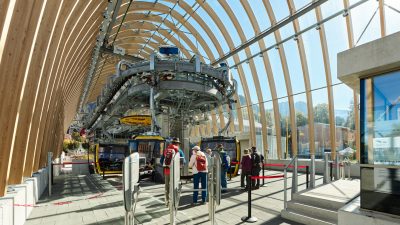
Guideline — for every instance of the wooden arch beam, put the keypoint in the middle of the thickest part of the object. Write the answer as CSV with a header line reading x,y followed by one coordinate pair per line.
x,y
350,38
288,82
266,64
325,55
306,78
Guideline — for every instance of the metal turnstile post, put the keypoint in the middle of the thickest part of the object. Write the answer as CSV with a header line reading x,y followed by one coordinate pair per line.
x,y
326,168
312,174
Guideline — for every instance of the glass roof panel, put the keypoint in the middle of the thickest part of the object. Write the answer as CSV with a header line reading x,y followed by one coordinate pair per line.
x,y
254,48
392,14
244,20
204,35
336,34
300,3
361,15
214,28
280,8
343,98
262,77
294,65
226,21
308,19
261,14
312,46
278,72
239,88
250,82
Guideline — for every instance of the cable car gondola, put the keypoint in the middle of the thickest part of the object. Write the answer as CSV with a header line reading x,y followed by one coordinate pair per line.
x,y
110,157
231,146
150,148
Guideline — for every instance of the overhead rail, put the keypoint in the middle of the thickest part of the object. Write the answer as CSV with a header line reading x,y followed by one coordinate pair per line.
x,y
96,52
270,30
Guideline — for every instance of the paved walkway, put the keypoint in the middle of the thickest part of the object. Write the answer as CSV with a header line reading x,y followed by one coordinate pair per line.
x,y
87,199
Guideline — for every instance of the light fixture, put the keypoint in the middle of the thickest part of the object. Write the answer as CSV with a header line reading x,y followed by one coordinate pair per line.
x,y
345,13
296,38
318,27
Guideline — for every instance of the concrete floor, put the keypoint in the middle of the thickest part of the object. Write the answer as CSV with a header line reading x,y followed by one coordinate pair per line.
x,y
87,199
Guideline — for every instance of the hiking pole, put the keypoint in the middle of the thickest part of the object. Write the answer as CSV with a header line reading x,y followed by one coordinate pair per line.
x,y
249,218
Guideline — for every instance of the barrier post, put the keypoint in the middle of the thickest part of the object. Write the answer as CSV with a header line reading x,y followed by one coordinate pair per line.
x,y
104,177
263,183
295,177
285,189
307,174
337,168
326,168
331,170
50,169
249,218
312,174
230,172
52,174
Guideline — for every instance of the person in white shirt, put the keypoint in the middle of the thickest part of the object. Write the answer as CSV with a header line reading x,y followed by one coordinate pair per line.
x,y
198,163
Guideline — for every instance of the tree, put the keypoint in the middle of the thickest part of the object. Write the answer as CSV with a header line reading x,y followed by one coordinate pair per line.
x,y
301,120
350,120
340,121
321,113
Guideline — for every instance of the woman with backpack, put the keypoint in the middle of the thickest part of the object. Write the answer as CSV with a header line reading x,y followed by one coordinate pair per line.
x,y
198,163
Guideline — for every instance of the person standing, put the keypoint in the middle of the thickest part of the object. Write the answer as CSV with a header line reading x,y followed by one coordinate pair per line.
x,y
256,159
225,166
198,163
246,168
166,160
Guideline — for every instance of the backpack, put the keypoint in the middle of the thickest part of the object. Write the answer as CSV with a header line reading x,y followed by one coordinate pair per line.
x,y
256,160
201,163
225,161
169,154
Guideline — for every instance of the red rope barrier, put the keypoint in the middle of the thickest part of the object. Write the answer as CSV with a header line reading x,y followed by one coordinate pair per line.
x,y
235,163
266,177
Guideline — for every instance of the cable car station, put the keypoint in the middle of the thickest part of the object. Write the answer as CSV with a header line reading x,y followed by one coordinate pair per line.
x,y
200,112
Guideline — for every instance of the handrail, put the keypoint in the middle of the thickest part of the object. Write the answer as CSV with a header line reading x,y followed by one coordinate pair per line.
x,y
294,177
291,161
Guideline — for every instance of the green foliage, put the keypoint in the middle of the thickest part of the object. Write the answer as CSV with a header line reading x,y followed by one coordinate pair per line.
x,y
301,119
340,121
70,145
76,136
321,113
350,120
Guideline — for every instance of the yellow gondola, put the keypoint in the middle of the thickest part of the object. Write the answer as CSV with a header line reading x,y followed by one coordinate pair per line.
x,y
110,157
150,149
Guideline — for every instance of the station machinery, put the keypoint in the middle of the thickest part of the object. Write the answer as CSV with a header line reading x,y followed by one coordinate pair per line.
x,y
172,92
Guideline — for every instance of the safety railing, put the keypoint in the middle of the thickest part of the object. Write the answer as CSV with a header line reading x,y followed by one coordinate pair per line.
x,y
294,180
